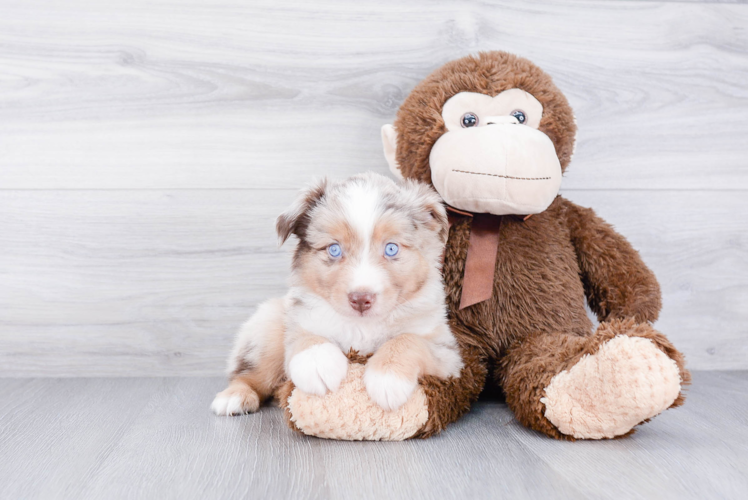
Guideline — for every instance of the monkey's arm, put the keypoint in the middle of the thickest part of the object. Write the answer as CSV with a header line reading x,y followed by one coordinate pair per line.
x,y
616,281
350,414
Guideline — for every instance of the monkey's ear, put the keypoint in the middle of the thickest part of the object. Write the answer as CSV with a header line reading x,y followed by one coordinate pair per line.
x,y
389,142
295,219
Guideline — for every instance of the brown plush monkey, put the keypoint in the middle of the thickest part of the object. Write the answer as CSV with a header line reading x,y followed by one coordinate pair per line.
x,y
493,134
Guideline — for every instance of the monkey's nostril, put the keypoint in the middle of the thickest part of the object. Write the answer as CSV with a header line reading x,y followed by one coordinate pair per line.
x,y
361,302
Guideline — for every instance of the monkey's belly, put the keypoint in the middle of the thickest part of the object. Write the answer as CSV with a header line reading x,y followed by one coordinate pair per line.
x,y
537,283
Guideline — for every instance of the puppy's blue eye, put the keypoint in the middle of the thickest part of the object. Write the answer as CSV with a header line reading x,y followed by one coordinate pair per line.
x,y
391,249
334,250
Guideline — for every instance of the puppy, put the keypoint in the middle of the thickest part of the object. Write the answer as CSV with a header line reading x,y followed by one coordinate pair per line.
x,y
366,275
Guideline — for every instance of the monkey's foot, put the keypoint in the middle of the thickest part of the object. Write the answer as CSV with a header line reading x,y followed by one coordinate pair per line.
x,y
628,380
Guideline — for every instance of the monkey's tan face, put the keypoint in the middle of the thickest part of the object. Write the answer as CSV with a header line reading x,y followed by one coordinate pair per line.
x,y
492,158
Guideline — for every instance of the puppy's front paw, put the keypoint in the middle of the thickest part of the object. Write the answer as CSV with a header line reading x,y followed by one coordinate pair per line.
x,y
318,369
387,389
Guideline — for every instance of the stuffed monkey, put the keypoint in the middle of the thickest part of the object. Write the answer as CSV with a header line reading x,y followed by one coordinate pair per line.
x,y
494,135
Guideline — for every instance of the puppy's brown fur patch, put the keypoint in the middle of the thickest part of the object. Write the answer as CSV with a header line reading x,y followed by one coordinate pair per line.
x,y
262,379
306,341
406,356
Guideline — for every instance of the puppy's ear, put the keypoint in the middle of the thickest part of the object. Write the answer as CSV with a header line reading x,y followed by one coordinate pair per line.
x,y
431,213
296,218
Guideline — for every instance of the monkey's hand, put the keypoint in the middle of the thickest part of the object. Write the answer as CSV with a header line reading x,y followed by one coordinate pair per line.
x,y
350,414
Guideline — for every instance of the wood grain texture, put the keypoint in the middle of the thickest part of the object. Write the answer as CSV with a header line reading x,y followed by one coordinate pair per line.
x,y
147,95
146,147
155,438
131,283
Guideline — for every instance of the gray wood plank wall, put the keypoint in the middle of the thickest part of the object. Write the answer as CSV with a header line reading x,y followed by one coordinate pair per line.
x,y
146,147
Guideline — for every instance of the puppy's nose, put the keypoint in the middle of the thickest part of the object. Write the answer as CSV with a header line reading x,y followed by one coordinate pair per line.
x,y
361,301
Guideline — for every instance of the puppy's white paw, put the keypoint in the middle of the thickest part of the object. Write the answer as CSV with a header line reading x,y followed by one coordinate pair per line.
x,y
318,369
387,389
235,401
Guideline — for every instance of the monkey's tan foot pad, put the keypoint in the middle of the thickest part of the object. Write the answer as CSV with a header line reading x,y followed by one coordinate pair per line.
x,y
606,394
349,414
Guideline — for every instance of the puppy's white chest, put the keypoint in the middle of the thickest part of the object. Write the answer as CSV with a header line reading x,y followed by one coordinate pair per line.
x,y
365,339
318,318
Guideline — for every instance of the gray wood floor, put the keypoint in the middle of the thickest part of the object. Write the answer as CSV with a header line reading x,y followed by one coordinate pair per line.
x,y
155,438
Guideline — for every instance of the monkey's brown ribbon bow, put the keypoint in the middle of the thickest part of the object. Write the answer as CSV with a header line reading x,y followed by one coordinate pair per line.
x,y
480,264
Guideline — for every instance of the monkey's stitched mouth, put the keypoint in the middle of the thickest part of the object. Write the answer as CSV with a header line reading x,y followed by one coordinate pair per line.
x,y
503,176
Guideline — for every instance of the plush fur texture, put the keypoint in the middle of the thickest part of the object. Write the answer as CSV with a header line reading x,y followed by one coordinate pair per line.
x,y
535,325
607,393
533,339
349,413
419,122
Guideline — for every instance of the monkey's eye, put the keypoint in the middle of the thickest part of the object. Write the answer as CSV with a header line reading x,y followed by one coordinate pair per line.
x,y
334,250
469,120
519,115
